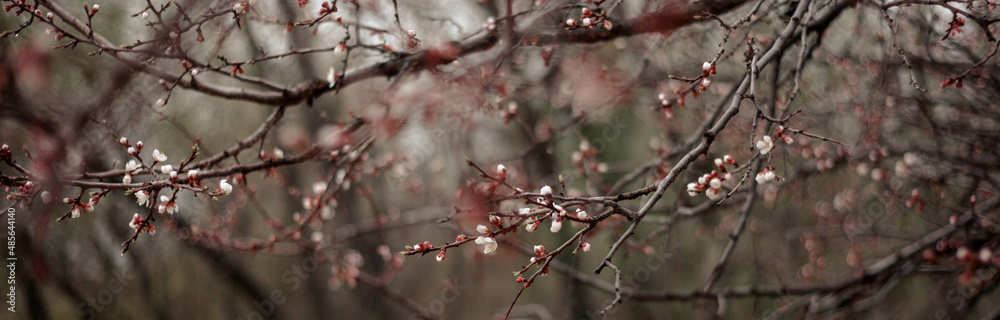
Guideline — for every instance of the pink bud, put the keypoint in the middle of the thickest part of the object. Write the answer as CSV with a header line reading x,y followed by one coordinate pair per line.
x,y
585,246
540,250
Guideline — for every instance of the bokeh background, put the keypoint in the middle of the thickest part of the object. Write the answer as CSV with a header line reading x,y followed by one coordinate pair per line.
x,y
871,83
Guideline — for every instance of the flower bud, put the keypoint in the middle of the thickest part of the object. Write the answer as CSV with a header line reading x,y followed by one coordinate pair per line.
x,y
546,191
556,225
482,229
540,250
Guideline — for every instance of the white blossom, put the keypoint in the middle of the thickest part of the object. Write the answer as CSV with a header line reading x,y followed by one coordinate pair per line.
x,y
131,166
546,191
556,225
524,211
715,183
225,187
713,193
483,229
760,178
531,227
692,189
127,179
136,221
765,145
540,250
167,206
581,214
142,198
159,156
166,168
489,244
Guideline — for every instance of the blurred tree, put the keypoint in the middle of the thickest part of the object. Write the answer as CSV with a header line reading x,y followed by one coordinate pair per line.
x,y
384,159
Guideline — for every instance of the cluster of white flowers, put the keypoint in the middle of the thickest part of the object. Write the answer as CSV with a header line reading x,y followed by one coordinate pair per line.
x,y
765,176
711,183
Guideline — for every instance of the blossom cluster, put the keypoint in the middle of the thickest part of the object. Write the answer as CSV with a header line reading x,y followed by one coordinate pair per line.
x,y
590,19
711,183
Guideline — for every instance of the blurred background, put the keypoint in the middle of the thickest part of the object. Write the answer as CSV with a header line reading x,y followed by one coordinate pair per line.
x,y
896,107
